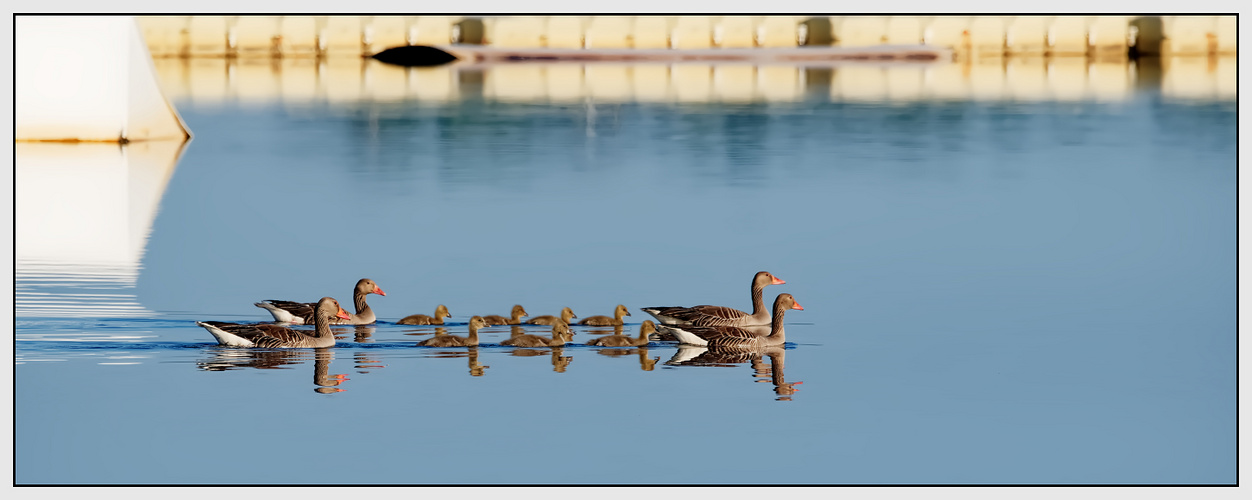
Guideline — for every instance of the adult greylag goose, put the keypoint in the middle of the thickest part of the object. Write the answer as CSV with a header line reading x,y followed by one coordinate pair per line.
x,y
560,335
733,336
646,329
720,315
301,313
515,319
616,320
235,334
566,315
441,312
475,323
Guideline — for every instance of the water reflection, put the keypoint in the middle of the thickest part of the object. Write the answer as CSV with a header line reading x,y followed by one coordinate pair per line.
x,y
438,330
728,357
363,334
363,361
83,214
646,363
476,368
556,355
1028,79
230,358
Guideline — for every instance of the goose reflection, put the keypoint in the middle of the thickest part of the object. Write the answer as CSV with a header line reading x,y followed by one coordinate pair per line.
x,y
362,361
732,356
224,358
363,333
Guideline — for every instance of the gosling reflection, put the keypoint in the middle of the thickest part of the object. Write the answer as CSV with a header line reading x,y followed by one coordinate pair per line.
x,y
557,356
606,330
439,330
620,340
559,361
475,323
646,363
234,359
476,368
733,356
560,335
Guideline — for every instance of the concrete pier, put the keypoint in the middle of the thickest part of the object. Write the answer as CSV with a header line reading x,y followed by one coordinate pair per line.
x,y
966,36
87,79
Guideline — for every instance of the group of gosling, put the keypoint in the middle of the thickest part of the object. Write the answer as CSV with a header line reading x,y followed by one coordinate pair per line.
x,y
561,332
714,326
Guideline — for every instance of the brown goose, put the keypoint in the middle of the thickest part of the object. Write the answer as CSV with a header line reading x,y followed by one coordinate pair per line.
x,y
646,329
733,336
566,315
720,315
235,334
475,323
441,312
605,320
516,319
560,335
301,313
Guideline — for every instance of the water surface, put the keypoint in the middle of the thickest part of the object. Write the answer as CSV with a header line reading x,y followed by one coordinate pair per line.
x,y
995,291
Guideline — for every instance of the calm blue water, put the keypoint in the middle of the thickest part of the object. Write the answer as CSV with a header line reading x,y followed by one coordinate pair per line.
x,y
994,292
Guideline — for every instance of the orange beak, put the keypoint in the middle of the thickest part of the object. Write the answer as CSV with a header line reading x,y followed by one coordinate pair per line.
x,y
778,282
342,314
380,291
797,306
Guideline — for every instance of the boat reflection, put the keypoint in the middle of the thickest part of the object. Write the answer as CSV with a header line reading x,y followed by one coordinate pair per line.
x,y
646,363
728,357
230,358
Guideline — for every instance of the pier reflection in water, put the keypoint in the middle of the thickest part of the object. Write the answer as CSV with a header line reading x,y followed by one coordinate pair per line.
x,y
203,81
83,215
